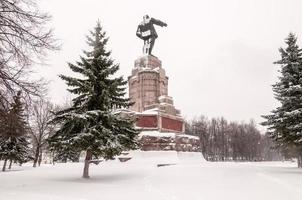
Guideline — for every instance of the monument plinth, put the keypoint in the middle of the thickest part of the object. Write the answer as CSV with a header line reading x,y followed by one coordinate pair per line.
x,y
148,89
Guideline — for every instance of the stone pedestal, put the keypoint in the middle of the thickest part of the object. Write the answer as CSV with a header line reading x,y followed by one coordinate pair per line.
x,y
156,116
148,89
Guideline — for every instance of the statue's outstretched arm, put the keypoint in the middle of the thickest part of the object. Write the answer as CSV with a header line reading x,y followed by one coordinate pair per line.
x,y
158,22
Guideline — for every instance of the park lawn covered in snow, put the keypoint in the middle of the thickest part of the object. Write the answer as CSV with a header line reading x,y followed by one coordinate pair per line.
x,y
140,178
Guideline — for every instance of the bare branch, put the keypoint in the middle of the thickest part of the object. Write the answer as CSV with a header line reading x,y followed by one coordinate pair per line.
x,y
24,40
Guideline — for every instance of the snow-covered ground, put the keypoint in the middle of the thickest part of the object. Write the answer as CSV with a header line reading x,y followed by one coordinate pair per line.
x,y
191,178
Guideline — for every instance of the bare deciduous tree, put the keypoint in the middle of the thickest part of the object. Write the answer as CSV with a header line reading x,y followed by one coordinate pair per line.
x,y
24,40
40,128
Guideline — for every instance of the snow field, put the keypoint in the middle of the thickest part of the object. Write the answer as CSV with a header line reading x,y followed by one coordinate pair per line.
x,y
190,179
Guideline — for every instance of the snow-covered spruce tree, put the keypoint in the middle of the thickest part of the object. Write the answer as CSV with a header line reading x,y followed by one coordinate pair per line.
x,y
13,138
284,123
91,123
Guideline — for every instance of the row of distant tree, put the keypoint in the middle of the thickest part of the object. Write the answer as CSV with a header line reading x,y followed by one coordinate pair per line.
x,y
231,141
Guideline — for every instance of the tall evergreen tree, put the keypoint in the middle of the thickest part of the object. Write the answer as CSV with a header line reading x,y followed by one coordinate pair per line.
x,y
13,138
284,122
91,123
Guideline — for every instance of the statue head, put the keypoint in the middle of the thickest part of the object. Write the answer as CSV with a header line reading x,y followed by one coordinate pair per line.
x,y
146,19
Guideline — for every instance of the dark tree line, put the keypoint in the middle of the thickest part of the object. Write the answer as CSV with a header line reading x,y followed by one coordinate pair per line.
x,y
225,141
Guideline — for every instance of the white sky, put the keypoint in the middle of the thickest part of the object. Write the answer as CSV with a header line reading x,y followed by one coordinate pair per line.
x,y
218,54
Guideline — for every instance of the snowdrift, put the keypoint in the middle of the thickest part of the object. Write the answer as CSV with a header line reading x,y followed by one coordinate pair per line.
x,y
165,157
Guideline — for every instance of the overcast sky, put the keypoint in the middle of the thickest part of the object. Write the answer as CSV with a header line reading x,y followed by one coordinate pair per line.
x,y
218,54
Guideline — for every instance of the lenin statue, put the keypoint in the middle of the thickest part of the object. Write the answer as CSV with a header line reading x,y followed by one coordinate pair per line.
x,y
146,32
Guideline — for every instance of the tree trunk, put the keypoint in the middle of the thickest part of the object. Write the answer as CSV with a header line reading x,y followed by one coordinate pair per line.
x,y
4,165
37,153
53,158
299,161
40,158
86,164
10,164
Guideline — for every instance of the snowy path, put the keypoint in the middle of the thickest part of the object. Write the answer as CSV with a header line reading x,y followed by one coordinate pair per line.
x,y
113,181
